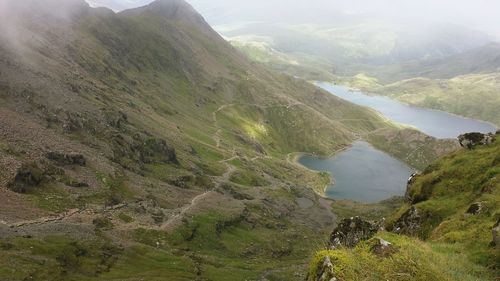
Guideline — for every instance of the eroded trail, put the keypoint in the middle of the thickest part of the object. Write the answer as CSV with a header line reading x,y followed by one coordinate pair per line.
x,y
175,219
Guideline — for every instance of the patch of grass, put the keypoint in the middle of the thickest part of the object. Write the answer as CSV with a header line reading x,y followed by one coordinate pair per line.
x,y
375,211
125,218
413,260
57,258
248,178
52,198
146,263
117,190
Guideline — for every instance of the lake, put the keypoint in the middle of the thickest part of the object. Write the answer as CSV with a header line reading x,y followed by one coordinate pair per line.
x,y
435,123
362,173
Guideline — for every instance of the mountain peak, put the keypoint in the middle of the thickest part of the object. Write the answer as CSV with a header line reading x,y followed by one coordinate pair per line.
x,y
172,10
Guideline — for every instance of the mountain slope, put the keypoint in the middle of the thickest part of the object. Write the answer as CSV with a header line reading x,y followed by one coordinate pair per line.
x,y
447,230
142,145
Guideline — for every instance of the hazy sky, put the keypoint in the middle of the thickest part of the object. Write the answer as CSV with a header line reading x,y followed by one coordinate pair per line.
x,y
483,15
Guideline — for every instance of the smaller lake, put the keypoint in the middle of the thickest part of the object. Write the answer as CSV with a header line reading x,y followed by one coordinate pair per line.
x,y
435,123
362,173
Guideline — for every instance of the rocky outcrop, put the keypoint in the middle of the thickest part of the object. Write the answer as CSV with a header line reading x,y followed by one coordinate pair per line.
x,y
409,223
325,273
471,140
63,159
351,231
27,177
136,151
409,182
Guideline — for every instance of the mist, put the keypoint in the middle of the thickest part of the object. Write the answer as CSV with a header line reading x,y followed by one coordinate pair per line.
x,y
481,15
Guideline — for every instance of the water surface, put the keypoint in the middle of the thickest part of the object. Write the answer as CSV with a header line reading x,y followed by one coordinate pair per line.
x,y
362,173
435,123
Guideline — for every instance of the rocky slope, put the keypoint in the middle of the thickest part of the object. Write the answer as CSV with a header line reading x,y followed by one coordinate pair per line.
x,y
447,230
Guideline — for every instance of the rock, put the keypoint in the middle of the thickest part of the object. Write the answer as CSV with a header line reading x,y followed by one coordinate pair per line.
x,y
470,140
496,234
411,179
136,151
409,223
325,273
475,208
64,159
27,177
382,248
351,231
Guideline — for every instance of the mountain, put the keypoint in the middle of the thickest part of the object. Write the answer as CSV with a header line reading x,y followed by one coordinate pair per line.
x,y
447,230
480,60
141,145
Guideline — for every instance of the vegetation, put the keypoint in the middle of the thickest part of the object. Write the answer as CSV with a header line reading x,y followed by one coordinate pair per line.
x,y
453,240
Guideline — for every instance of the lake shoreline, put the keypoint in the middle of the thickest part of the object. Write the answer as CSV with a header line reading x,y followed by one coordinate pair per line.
x,y
359,171
368,93
433,122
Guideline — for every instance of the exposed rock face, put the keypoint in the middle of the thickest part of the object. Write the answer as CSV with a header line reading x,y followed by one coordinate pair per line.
x,y
496,234
470,140
133,152
326,272
27,177
475,208
411,179
64,159
351,231
409,223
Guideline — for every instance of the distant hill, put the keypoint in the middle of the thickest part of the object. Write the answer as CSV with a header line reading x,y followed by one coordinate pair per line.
x,y
480,60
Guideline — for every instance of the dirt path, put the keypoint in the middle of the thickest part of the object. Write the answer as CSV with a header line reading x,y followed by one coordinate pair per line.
x,y
181,211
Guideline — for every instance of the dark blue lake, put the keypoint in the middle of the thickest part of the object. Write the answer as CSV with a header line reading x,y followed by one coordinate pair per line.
x,y
362,173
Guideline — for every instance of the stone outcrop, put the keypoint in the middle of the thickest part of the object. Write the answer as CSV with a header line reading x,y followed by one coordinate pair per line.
x,y
471,140
409,223
409,182
326,271
63,159
27,177
351,231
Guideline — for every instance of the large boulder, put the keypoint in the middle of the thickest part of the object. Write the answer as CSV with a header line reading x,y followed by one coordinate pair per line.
x,y
351,231
409,223
470,140
28,177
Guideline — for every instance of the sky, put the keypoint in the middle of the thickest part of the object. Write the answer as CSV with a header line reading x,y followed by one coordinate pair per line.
x,y
482,15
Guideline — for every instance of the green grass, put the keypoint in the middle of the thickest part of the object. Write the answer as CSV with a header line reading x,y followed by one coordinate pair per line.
x,y
55,258
413,260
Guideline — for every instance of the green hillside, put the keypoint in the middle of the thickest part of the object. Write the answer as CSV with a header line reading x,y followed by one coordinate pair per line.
x,y
445,228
